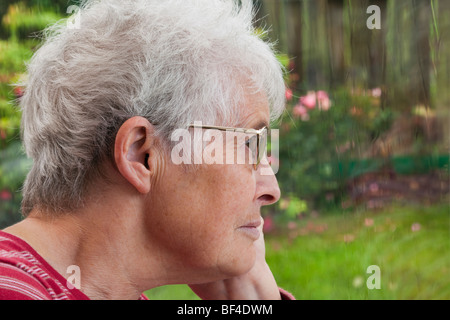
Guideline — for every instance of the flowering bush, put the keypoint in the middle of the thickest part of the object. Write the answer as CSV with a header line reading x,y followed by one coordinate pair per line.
x,y
320,134
13,163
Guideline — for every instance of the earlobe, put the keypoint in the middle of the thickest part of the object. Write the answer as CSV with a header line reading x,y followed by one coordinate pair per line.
x,y
131,152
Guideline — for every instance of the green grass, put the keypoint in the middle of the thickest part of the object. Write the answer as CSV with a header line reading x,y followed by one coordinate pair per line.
x,y
326,257
413,264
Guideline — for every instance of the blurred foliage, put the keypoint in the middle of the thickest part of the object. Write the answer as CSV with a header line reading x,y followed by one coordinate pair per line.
x,y
56,6
20,24
23,18
13,169
23,22
13,56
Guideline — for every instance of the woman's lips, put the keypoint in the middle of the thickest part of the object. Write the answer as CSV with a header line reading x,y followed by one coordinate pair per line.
x,y
253,224
251,229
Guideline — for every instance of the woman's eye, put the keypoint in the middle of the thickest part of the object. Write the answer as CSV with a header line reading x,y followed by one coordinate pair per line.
x,y
249,141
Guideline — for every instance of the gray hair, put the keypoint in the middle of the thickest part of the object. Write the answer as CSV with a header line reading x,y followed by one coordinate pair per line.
x,y
172,62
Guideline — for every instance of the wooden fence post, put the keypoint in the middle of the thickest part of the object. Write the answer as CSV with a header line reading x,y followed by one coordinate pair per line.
x,y
294,21
335,32
420,49
368,49
441,12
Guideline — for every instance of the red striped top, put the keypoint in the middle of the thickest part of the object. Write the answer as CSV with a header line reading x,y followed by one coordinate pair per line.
x,y
25,275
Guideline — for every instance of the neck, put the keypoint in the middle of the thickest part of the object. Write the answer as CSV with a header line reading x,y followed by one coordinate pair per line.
x,y
104,243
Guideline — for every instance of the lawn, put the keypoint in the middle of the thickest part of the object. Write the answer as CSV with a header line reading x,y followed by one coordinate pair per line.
x,y
326,256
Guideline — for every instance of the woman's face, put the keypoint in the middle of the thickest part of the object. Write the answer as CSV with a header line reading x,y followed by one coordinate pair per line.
x,y
205,220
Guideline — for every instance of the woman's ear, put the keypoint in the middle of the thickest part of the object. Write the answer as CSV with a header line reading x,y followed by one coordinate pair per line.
x,y
146,161
132,152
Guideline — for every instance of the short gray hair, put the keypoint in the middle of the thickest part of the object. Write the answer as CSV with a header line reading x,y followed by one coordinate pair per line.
x,y
172,62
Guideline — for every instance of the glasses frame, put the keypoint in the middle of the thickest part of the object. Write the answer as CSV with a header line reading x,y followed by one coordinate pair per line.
x,y
259,138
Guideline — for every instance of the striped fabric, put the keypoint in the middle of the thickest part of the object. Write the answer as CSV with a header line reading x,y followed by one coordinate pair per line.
x,y
25,275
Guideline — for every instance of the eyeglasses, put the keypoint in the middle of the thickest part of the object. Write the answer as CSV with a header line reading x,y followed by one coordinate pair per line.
x,y
257,141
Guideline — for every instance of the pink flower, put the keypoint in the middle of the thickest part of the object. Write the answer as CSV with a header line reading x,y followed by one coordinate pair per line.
x,y
309,100
268,224
368,222
321,95
289,94
373,187
376,92
301,112
323,100
291,225
415,227
291,65
18,91
349,238
5,195
305,117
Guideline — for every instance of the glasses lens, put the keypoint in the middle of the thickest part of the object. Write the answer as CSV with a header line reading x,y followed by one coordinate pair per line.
x,y
252,144
262,147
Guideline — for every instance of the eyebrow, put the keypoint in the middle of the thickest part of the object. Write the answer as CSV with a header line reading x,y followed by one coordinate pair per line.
x,y
261,124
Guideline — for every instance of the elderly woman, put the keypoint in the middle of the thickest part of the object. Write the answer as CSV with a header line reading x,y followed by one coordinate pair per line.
x,y
108,212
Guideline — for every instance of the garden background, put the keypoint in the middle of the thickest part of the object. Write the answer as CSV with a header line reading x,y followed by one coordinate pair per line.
x,y
364,143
